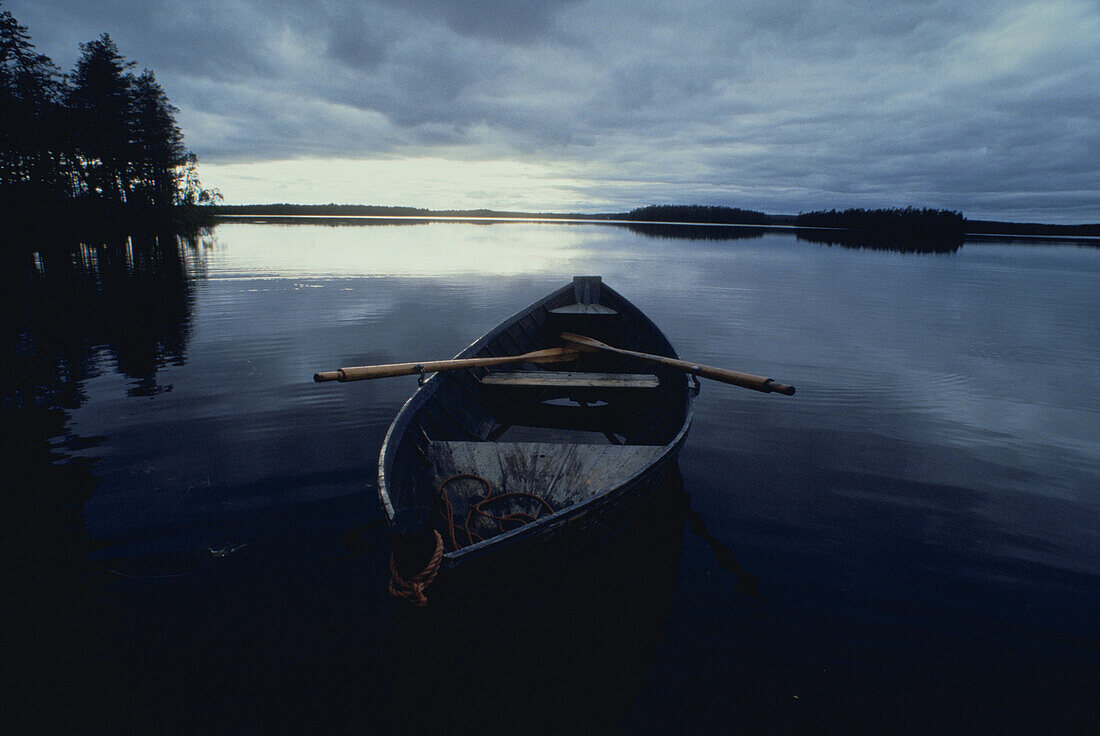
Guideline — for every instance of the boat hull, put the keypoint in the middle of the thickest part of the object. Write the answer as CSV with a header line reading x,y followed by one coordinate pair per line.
x,y
454,406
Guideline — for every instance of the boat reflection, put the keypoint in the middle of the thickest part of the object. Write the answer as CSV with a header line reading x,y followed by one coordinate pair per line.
x,y
561,651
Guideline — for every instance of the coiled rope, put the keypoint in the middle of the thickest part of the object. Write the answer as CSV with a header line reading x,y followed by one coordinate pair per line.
x,y
412,589
479,509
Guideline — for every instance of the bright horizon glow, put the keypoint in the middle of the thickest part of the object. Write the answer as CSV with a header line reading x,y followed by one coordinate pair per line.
x,y
429,182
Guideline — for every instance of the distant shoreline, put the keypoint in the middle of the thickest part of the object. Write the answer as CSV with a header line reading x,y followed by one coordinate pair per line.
x,y
975,228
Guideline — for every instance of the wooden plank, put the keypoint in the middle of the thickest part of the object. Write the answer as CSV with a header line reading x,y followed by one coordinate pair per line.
x,y
563,474
570,379
554,435
586,289
583,309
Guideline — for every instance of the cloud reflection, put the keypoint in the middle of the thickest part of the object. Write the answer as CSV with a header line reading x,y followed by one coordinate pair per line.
x,y
414,248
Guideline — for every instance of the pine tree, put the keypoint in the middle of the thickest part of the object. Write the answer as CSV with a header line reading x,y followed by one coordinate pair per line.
x,y
100,144
32,144
100,102
160,156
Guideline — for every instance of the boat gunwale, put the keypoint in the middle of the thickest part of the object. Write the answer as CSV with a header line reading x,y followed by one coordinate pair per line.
x,y
401,421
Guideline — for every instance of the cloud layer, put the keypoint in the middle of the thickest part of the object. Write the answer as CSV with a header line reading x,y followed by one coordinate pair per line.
x,y
987,107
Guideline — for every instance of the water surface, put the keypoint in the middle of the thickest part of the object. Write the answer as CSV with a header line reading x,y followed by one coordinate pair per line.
x,y
909,544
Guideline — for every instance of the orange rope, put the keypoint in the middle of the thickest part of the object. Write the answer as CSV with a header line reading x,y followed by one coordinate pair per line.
x,y
519,516
412,589
446,508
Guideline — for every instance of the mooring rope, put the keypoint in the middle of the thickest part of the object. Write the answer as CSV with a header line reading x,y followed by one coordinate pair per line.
x,y
412,589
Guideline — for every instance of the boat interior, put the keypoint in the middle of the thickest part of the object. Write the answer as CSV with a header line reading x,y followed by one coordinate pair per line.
x,y
494,448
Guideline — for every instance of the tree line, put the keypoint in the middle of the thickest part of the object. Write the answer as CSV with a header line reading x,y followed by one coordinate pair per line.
x,y
904,229
911,222
99,143
697,213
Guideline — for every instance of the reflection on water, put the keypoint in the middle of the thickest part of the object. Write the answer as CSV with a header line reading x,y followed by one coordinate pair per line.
x,y
666,231
562,650
71,310
723,555
132,298
861,239
389,249
200,547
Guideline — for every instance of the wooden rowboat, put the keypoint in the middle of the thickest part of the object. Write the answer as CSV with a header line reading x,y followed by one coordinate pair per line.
x,y
538,438
510,458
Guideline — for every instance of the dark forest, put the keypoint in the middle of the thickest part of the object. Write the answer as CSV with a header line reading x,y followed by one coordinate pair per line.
x,y
99,145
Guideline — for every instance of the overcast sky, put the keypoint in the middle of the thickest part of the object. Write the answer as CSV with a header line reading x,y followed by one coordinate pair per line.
x,y
990,108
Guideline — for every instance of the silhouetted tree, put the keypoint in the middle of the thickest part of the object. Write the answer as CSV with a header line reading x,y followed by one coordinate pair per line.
x,y
160,158
32,148
98,148
100,101
698,213
909,228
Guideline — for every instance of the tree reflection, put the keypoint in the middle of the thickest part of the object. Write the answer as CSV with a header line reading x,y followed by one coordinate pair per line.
x,y
131,297
670,231
882,241
71,309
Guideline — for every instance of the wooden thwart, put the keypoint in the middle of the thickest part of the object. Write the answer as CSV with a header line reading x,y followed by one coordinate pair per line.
x,y
570,379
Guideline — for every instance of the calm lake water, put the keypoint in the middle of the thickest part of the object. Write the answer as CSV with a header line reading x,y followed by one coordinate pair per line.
x,y
910,544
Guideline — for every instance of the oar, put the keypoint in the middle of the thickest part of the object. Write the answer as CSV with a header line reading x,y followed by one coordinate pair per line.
x,y
364,372
737,378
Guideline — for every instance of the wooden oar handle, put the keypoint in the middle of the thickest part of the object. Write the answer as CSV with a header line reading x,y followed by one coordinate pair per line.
x,y
365,372
781,388
737,378
745,380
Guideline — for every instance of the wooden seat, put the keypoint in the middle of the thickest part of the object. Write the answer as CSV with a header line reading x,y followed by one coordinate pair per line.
x,y
570,379
563,474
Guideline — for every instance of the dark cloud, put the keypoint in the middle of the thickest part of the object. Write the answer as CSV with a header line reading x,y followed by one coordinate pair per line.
x,y
509,21
358,42
988,107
